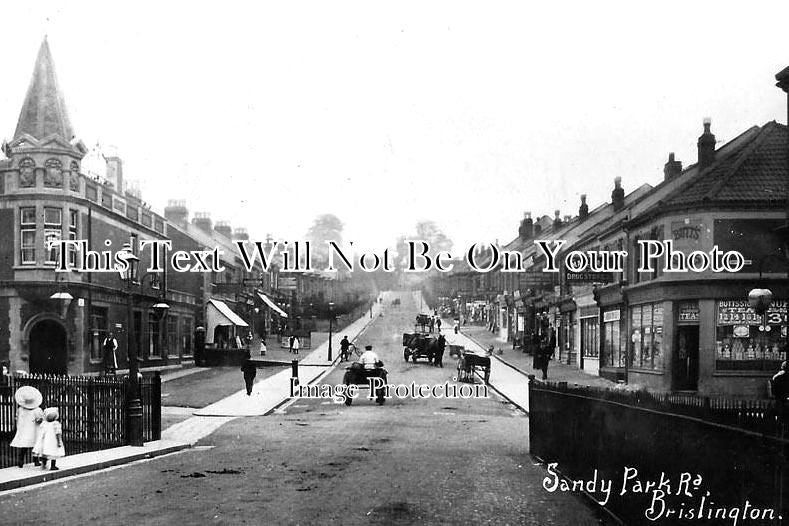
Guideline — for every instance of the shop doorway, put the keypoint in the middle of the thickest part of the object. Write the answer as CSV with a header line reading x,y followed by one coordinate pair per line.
x,y
48,348
686,359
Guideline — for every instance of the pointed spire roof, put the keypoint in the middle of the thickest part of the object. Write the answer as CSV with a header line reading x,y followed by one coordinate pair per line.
x,y
44,110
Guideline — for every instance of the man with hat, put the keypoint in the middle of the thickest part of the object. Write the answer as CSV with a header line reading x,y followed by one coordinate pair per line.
x,y
369,359
28,417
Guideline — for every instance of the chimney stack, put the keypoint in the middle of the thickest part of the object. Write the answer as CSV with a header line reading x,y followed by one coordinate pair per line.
x,y
583,210
241,234
706,146
176,212
557,219
618,195
224,228
202,220
567,219
526,230
672,168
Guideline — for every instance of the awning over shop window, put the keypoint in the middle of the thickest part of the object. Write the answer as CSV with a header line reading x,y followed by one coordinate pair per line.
x,y
271,305
222,315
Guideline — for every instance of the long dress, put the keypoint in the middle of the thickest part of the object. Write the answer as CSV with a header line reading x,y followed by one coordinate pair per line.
x,y
26,425
49,440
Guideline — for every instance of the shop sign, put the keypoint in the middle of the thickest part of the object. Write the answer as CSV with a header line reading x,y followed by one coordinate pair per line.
x,y
610,315
686,235
688,312
588,277
535,280
739,312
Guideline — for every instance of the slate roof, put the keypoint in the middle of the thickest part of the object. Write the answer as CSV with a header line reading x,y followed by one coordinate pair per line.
x,y
44,110
754,172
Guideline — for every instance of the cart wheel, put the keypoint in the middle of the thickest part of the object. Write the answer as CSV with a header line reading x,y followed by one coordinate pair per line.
x,y
405,354
487,376
414,357
348,400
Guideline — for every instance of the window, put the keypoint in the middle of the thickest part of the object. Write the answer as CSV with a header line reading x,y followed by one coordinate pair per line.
x,y
98,331
154,350
27,235
612,340
172,336
590,337
53,228
749,341
186,336
73,232
646,322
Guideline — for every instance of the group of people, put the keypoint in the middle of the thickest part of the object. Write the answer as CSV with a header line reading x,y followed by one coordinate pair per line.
x,y
37,429
435,324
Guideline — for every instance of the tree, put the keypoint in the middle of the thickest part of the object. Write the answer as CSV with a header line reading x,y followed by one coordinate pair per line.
x,y
429,232
325,228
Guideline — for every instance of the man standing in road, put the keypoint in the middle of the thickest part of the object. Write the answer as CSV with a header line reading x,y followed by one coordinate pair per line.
x,y
344,345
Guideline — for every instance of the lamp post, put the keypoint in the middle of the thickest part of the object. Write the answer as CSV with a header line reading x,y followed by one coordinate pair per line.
x,y
134,404
331,319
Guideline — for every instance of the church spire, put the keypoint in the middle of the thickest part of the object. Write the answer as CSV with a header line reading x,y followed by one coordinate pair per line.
x,y
44,110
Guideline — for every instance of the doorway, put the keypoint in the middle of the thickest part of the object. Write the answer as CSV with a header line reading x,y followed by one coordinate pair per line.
x,y
686,359
48,353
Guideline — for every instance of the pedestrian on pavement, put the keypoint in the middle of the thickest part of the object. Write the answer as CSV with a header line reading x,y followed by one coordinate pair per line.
x,y
110,346
250,370
344,346
432,324
52,447
29,412
290,343
438,324
296,344
779,385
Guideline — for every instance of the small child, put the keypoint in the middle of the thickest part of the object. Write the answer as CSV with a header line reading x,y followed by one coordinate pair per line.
x,y
29,400
39,433
51,439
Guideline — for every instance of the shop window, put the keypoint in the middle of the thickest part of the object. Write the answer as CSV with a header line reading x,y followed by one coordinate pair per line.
x,y
27,235
646,337
186,336
590,337
613,355
172,336
747,341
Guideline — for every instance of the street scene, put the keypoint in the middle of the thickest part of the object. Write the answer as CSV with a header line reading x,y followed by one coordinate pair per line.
x,y
409,461
349,263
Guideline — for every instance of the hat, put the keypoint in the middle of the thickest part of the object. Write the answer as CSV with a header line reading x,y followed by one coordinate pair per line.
x,y
368,347
51,414
28,397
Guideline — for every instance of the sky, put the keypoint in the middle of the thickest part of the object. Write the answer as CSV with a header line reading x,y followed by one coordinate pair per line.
x,y
267,114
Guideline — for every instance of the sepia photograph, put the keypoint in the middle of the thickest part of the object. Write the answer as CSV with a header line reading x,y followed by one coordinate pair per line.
x,y
410,263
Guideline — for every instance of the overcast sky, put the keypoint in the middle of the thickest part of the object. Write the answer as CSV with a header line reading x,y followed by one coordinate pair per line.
x,y
268,114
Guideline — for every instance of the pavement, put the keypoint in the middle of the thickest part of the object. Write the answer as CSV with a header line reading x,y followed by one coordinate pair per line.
x,y
267,396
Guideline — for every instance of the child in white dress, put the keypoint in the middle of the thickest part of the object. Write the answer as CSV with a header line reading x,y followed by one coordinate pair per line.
x,y
51,439
29,413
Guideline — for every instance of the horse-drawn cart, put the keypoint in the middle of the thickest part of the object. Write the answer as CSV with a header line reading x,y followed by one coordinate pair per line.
x,y
470,362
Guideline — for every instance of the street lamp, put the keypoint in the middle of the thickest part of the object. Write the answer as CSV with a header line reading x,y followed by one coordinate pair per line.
x,y
331,319
134,404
